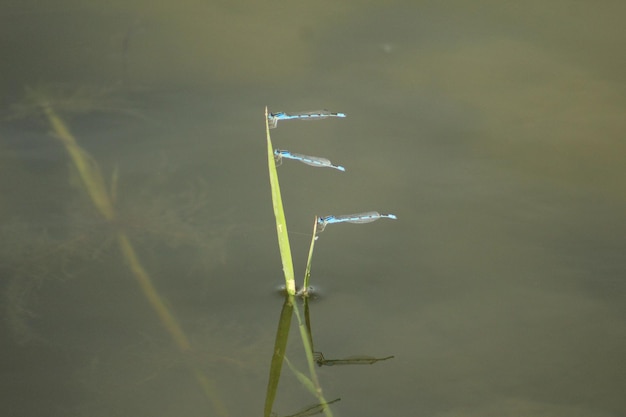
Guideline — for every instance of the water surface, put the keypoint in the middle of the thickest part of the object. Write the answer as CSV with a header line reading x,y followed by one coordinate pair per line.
x,y
493,131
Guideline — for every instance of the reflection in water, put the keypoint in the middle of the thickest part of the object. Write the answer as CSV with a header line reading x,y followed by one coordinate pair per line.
x,y
351,360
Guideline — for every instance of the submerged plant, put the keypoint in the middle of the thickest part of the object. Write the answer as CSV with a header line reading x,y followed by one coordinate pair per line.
x,y
71,100
103,198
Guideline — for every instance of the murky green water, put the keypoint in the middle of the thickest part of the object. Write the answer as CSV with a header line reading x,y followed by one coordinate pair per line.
x,y
494,132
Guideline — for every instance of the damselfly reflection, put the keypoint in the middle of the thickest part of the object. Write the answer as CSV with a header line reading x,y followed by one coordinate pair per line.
x,y
352,360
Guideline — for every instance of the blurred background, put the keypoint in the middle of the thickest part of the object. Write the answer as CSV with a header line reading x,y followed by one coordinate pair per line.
x,y
495,131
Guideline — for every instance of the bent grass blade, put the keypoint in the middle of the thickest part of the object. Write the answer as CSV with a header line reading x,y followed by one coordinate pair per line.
x,y
307,274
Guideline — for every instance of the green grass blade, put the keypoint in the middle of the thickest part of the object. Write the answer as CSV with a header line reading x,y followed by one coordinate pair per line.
x,y
307,273
279,213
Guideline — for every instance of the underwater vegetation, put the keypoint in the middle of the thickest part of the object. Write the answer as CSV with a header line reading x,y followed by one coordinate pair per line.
x,y
39,255
101,232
